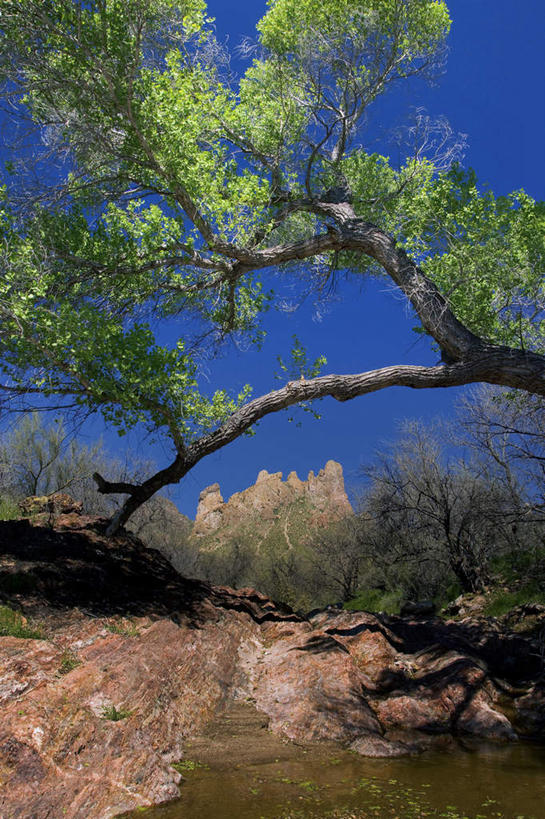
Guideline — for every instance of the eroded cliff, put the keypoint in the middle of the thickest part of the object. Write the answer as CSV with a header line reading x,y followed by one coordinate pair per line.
x,y
297,504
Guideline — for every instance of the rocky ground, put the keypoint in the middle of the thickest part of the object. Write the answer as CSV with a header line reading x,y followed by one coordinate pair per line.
x,y
132,661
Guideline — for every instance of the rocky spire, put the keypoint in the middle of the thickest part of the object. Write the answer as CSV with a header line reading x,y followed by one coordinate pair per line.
x,y
324,492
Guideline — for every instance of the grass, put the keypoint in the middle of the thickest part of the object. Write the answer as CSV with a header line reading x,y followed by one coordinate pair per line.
x,y
113,714
376,600
9,509
501,601
69,661
13,624
519,564
127,629
521,572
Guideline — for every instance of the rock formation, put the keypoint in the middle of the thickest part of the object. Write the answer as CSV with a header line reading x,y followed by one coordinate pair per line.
x,y
127,661
323,495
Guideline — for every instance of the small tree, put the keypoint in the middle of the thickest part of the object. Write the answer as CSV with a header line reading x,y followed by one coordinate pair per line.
x,y
397,558
166,186
40,459
233,565
453,512
507,431
338,555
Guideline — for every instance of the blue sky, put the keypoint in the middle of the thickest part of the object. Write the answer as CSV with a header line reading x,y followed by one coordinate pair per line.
x,y
493,91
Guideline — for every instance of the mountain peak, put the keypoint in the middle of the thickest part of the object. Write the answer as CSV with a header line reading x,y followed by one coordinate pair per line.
x,y
324,493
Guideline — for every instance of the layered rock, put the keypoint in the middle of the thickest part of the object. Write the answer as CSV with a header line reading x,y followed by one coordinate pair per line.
x,y
323,495
131,661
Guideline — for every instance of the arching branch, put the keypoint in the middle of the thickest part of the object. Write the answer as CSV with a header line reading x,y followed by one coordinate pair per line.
x,y
495,365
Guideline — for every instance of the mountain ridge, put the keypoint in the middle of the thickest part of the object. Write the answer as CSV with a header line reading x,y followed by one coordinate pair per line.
x,y
322,495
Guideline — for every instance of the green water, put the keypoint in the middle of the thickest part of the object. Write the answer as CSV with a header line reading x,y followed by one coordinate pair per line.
x,y
488,781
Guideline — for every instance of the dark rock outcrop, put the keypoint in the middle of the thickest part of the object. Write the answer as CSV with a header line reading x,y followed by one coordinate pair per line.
x,y
421,608
135,660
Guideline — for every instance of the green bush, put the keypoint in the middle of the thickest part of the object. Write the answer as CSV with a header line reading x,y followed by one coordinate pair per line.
x,y
376,600
9,510
13,624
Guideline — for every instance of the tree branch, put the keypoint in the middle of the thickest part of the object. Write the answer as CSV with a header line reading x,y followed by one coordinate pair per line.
x,y
113,487
497,365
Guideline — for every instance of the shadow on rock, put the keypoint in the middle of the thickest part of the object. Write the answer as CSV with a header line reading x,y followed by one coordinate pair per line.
x,y
75,565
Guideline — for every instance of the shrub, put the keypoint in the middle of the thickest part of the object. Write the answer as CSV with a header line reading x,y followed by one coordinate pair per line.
x,y
13,624
376,600
114,714
69,661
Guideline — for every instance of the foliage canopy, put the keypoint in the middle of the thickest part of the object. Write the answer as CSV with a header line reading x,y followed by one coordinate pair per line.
x,y
169,188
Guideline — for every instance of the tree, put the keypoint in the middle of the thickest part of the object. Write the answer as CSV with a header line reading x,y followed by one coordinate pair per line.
x,y
457,512
338,555
398,557
39,459
508,431
164,187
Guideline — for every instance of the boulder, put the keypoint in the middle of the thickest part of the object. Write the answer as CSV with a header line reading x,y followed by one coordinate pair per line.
x,y
422,608
56,504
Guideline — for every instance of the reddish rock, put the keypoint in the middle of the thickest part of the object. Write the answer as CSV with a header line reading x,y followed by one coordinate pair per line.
x,y
56,738
373,647
310,688
530,711
126,637
436,699
482,720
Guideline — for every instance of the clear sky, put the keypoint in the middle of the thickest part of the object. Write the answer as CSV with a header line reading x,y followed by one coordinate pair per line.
x,y
493,91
